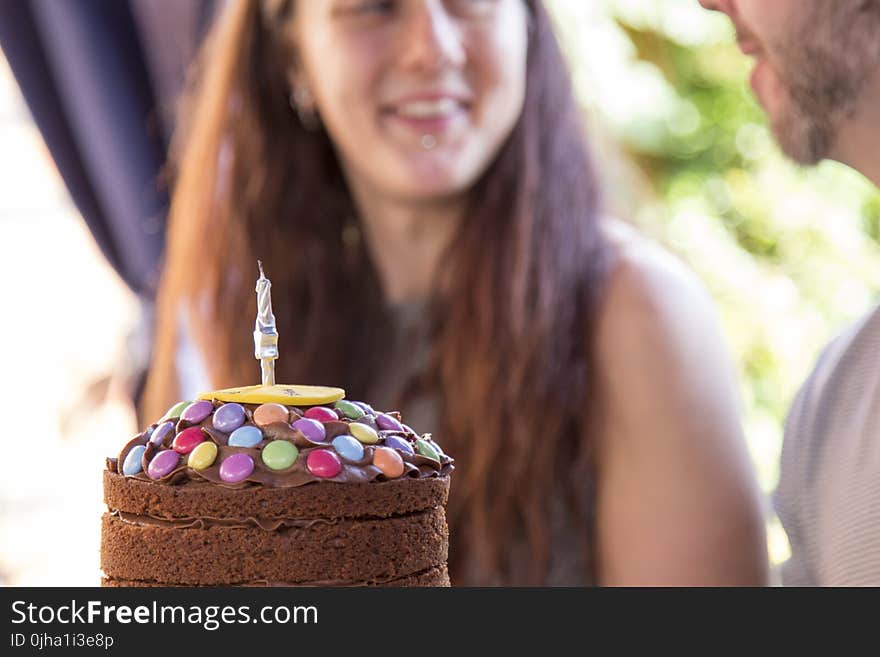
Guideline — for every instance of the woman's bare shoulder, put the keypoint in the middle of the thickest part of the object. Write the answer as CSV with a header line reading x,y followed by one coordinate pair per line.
x,y
659,343
647,282
677,499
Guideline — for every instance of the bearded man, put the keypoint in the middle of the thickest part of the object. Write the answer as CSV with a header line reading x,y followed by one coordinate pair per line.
x,y
817,75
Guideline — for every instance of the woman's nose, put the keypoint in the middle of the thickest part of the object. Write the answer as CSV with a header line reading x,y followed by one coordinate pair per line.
x,y
432,38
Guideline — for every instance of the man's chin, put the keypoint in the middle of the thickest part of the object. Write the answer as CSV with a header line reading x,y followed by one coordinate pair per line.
x,y
801,138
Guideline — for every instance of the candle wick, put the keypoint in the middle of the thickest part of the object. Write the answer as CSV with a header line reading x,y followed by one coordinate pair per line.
x,y
260,265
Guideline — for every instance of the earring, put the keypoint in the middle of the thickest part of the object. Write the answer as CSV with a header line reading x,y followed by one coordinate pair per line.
x,y
302,102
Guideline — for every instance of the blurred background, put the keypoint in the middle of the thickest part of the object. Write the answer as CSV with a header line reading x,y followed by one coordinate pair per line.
x,y
789,255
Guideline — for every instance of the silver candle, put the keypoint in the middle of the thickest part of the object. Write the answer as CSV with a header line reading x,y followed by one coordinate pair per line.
x,y
265,333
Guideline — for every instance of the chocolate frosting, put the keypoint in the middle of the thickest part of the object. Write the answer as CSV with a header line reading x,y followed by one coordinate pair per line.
x,y
203,522
362,471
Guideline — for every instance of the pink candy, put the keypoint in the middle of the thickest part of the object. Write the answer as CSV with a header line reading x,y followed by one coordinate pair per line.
x,y
187,440
321,414
323,463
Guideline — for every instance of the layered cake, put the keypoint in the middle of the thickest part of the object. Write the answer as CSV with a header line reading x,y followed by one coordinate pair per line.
x,y
277,485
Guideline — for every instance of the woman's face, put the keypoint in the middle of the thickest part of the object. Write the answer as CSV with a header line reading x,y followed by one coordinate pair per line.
x,y
417,95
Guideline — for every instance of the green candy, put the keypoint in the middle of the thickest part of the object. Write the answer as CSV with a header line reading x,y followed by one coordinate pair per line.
x,y
175,410
423,448
349,409
279,454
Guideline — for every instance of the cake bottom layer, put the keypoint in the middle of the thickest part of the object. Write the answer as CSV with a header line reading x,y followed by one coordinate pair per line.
x,y
354,550
437,576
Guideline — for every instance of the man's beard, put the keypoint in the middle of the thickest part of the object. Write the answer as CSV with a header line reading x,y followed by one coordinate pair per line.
x,y
823,66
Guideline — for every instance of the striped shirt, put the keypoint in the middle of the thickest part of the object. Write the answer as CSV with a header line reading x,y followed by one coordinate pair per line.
x,y
828,497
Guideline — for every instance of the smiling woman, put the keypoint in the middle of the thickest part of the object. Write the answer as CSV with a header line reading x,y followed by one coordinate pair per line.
x,y
417,96
414,175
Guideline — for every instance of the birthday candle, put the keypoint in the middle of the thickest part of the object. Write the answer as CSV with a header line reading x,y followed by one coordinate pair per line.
x,y
265,333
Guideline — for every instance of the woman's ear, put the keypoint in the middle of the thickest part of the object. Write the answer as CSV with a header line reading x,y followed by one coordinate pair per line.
x,y
302,100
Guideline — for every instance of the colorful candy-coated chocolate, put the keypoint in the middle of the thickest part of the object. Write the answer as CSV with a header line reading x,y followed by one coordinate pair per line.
x,y
186,440
163,464
362,432
369,420
132,463
399,443
197,411
246,436
434,444
388,422
311,429
321,414
323,463
349,409
424,448
365,407
388,461
228,417
269,413
175,410
203,456
161,432
279,454
236,467
348,447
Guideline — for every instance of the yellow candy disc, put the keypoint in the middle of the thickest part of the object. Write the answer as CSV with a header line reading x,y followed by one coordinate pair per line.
x,y
289,395
203,456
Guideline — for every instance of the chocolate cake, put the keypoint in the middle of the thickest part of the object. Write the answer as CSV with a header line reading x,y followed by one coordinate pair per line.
x,y
243,487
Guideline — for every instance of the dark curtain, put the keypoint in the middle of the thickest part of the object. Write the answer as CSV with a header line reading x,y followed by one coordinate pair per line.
x,y
101,80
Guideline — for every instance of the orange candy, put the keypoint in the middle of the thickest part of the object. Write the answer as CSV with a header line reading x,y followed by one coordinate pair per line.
x,y
388,461
269,413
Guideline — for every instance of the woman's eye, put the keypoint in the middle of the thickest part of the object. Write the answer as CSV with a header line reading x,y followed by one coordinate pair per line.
x,y
471,7
369,7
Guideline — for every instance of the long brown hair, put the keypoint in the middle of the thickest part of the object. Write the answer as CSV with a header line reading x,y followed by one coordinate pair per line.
x,y
511,331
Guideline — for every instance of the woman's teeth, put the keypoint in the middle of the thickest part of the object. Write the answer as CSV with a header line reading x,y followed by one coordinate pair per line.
x,y
429,109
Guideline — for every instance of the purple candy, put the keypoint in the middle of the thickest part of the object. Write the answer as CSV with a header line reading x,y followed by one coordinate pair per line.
x,y
163,463
388,422
161,432
399,443
236,467
365,407
197,411
311,429
228,417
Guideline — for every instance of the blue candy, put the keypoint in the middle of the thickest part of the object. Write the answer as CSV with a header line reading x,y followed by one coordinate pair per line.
x,y
399,443
246,436
132,464
348,447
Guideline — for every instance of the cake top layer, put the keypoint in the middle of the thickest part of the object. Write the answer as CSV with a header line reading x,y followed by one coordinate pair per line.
x,y
278,436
